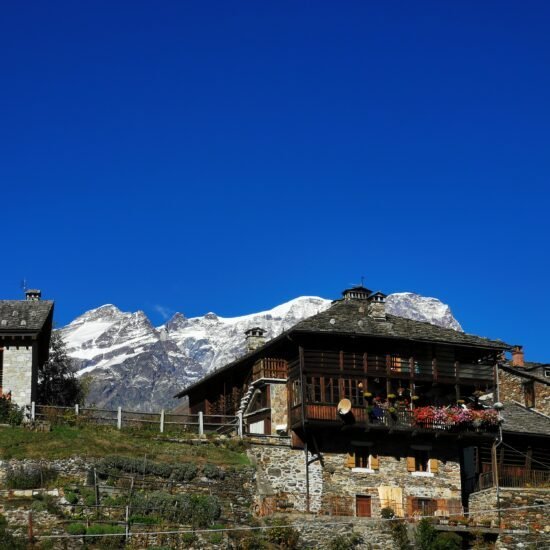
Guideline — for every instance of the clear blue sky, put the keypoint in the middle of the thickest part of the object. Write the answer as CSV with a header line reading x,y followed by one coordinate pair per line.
x,y
227,156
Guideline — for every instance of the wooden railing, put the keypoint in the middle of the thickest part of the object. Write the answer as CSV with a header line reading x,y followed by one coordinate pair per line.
x,y
270,368
513,476
394,366
400,418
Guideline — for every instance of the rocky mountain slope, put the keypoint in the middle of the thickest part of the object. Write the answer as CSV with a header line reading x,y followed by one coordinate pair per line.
x,y
135,365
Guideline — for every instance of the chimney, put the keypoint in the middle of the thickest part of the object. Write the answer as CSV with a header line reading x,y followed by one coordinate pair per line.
x,y
33,295
377,306
254,338
518,359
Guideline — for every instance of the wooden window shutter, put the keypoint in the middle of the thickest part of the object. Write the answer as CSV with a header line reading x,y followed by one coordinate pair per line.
x,y
442,505
374,462
411,464
434,465
350,460
410,506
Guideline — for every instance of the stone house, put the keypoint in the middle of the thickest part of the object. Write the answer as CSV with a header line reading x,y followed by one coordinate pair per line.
x,y
525,382
364,410
25,330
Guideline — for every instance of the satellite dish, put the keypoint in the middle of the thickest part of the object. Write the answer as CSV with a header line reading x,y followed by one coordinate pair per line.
x,y
344,407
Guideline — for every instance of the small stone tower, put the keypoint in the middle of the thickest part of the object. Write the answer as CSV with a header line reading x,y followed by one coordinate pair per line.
x,y
377,306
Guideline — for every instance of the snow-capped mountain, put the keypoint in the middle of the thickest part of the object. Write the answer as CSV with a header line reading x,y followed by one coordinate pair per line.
x,y
131,363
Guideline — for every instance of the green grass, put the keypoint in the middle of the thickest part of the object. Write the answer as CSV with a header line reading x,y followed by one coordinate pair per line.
x,y
98,441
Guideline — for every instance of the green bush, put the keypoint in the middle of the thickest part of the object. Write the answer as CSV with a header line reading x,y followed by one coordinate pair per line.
x,y
30,477
10,413
213,472
39,506
7,540
107,542
447,541
398,529
71,498
283,535
349,541
76,529
189,538
424,535
387,513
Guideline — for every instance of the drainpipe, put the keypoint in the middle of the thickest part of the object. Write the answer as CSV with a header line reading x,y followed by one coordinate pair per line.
x,y
301,365
498,406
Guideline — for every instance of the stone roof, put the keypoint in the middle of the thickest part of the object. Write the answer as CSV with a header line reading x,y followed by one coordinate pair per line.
x,y
520,419
24,315
350,317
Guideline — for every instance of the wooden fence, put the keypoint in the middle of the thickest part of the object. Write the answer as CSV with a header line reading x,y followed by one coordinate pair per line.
x,y
161,421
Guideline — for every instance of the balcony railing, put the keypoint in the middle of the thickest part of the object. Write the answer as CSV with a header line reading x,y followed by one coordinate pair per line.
x,y
276,369
400,418
513,477
395,366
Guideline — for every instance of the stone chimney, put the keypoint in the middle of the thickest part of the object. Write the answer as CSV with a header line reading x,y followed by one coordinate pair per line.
x,y
254,338
518,359
33,294
377,306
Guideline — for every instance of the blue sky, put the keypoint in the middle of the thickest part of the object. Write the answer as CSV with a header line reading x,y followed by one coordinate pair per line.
x,y
228,156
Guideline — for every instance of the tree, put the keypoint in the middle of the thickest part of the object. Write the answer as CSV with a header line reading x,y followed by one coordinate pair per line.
x,y
57,382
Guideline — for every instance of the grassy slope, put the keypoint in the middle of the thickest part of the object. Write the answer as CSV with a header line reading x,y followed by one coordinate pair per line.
x,y
66,441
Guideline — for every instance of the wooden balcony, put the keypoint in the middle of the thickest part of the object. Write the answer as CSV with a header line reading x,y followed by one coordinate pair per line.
x,y
401,419
393,366
514,477
271,369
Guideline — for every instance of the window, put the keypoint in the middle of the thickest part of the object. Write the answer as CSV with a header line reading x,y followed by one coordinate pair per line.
x,y
421,464
424,506
296,393
547,373
529,394
351,390
363,459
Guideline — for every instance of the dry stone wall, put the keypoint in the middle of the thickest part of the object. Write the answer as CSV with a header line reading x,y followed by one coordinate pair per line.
x,y
18,377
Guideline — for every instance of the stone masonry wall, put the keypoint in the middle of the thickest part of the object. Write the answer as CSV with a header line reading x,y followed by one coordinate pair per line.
x,y
394,479
281,475
511,389
279,406
280,472
18,375
520,509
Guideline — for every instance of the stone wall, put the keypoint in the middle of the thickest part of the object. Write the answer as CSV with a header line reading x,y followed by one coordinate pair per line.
x,y
511,389
281,483
18,374
391,482
520,509
280,472
279,406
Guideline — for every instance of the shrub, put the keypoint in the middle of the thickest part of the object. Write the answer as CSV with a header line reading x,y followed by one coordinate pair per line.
x,y
424,535
283,535
398,530
71,498
189,538
213,472
107,542
447,541
349,541
7,540
387,513
76,529
29,478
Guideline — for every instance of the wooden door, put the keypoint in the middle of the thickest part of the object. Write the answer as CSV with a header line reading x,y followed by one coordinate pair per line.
x,y
362,506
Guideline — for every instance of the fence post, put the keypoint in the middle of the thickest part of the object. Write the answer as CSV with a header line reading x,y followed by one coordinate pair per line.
x,y
76,409
162,421
240,427
127,523
201,424
33,411
119,418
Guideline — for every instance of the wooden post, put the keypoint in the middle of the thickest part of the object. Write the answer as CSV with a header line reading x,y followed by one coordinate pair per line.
x,y
33,411
76,409
119,418
240,426
201,424
162,421
127,530
96,488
